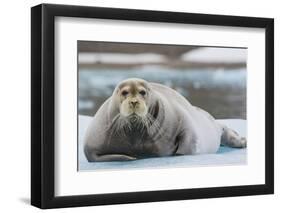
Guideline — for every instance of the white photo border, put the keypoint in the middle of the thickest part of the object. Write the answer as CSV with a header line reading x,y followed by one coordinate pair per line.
x,y
68,181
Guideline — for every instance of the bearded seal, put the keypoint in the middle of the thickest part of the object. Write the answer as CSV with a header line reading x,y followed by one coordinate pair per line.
x,y
144,119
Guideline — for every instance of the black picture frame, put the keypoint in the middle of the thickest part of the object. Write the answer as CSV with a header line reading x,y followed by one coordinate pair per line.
x,y
43,105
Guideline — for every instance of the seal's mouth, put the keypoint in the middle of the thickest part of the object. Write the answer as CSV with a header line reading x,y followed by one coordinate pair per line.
x,y
134,117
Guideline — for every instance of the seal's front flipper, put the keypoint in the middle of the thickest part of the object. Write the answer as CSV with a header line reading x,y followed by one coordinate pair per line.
x,y
110,157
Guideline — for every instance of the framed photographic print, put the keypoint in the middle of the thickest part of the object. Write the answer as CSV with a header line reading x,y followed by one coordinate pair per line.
x,y
140,106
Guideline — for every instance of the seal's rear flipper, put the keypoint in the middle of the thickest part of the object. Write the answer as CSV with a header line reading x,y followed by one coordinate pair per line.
x,y
232,139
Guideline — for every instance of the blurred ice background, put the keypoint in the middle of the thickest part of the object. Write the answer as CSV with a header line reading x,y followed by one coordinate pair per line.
x,y
213,78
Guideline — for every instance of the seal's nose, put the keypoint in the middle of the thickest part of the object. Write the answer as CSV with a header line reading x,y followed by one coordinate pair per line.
x,y
134,103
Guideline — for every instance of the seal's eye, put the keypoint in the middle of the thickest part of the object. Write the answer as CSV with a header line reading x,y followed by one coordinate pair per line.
x,y
142,92
124,93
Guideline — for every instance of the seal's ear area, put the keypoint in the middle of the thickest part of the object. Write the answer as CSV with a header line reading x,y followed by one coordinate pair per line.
x,y
116,90
148,88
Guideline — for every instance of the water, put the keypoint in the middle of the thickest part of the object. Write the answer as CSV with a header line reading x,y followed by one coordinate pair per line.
x,y
220,92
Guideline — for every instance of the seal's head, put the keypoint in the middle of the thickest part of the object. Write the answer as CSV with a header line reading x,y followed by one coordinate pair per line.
x,y
133,95
134,109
